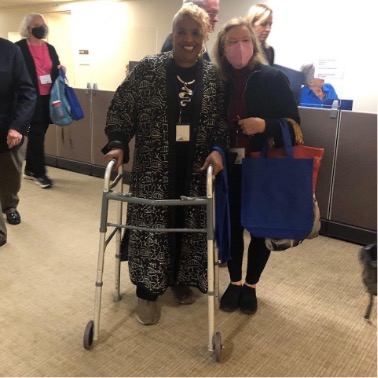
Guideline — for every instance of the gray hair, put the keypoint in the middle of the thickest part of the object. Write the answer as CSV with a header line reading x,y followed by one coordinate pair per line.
x,y
219,58
200,3
308,71
26,22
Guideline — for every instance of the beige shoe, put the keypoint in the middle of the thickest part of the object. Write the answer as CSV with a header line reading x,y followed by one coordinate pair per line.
x,y
147,312
183,294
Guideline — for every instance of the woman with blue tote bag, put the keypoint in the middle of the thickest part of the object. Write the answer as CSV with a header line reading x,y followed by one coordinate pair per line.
x,y
257,98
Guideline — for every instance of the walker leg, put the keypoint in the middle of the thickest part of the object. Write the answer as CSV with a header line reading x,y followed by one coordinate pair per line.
x,y
117,275
93,326
210,292
215,345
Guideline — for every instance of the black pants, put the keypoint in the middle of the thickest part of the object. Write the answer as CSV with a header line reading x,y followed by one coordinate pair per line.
x,y
258,254
145,294
35,151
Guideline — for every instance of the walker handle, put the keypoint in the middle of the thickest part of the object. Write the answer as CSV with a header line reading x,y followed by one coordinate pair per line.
x,y
108,184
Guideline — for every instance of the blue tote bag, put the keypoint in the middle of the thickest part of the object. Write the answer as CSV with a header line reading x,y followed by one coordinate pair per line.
x,y
277,195
76,109
60,109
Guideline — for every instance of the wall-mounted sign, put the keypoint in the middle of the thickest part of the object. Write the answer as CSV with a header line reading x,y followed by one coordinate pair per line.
x,y
329,69
83,57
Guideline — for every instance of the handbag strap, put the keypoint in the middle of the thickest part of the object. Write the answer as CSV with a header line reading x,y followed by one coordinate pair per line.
x,y
284,124
286,137
297,131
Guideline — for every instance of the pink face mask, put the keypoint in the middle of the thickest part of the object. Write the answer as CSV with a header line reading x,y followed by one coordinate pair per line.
x,y
239,54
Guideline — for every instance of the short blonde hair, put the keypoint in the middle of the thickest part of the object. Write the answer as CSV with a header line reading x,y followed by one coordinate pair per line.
x,y
197,14
218,55
27,21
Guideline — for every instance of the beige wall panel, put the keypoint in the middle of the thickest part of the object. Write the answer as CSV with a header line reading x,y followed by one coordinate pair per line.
x,y
116,32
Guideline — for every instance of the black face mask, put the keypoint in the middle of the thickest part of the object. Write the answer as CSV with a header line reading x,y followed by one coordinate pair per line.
x,y
39,31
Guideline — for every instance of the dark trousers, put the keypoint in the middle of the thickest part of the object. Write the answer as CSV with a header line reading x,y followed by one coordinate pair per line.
x,y
145,294
258,254
10,183
35,152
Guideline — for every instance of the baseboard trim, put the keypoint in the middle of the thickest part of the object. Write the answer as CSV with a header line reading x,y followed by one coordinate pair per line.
x,y
348,233
84,168
328,228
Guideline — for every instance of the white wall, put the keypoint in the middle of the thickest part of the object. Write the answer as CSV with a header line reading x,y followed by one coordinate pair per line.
x,y
113,33
343,30
303,31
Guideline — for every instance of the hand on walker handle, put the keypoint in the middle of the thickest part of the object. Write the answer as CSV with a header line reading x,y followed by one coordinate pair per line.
x,y
216,160
116,154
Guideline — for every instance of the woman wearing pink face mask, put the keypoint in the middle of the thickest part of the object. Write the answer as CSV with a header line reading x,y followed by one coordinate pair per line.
x,y
256,97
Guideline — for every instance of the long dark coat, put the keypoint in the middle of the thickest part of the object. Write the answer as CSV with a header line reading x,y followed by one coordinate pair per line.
x,y
145,105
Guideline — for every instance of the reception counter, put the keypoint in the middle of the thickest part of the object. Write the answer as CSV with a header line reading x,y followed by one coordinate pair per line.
x,y
347,182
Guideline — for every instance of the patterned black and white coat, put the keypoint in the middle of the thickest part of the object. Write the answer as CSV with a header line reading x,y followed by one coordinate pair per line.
x,y
145,105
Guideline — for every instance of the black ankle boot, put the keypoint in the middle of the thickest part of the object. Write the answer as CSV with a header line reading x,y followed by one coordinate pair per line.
x,y
248,300
230,299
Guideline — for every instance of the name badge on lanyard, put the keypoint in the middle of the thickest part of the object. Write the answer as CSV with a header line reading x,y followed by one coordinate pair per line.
x,y
241,154
182,133
45,79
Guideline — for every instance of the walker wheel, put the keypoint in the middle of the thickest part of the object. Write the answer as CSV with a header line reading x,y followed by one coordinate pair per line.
x,y
88,335
217,344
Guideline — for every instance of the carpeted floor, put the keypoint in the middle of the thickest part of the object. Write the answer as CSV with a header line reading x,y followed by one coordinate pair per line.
x,y
309,323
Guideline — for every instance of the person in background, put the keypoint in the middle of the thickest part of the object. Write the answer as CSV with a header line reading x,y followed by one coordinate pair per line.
x,y
172,103
17,103
315,90
261,18
257,96
43,65
212,9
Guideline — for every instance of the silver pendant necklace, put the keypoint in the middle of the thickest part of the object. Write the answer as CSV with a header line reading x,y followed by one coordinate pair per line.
x,y
186,93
